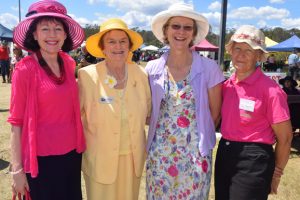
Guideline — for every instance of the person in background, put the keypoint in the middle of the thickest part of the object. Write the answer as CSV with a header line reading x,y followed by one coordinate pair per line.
x,y
136,56
186,100
289,85
47,135
17,56
255,116
86,58
115,101
292,64
4,61
271,65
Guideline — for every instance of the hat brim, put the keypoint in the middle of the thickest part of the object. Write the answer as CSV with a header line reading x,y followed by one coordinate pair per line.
x,y
293,82
92,43
161,18
228,48
75,30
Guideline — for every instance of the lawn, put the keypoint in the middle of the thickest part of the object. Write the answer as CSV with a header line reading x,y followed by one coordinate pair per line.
x,y
289,188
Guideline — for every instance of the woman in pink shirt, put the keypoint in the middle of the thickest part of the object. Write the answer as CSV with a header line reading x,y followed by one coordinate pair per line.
x,y
255,116
47,135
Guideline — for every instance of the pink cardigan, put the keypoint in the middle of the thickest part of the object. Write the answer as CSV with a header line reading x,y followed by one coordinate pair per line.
x,y
25,71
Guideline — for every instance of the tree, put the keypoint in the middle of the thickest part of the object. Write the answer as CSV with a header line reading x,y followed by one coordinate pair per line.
x,y
90,30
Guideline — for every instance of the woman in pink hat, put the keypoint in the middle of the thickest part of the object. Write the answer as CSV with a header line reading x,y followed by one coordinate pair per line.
x,y
255,116
47,135
186,99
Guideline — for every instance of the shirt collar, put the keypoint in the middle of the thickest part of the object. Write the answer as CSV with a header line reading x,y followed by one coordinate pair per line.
x,y
251,79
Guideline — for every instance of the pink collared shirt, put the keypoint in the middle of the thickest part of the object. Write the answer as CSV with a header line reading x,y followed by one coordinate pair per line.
x,y
250,107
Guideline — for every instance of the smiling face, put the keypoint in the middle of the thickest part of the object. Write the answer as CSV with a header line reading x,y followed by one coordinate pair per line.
x,y
50,36
180,32
116,45
244,58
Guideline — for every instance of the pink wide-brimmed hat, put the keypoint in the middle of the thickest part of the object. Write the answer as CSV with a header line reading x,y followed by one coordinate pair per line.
x,y
50,8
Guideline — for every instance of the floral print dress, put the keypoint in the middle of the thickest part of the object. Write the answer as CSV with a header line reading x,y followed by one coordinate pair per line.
x,y
175,168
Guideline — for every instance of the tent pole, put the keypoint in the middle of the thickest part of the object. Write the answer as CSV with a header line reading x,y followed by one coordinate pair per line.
x,y
222,34
19,10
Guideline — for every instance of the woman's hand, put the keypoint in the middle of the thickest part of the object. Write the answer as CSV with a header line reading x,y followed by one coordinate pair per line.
x,y
19,180
284,136
19,183
274,185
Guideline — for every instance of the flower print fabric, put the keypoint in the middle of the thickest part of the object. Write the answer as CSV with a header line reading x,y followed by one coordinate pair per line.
x,y
175,168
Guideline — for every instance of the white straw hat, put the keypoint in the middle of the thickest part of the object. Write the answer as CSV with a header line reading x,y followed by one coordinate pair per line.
x,y
180,10
250,35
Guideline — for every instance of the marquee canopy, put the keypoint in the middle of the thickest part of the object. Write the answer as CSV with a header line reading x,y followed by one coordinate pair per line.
x,y
5,33
286,45
204,45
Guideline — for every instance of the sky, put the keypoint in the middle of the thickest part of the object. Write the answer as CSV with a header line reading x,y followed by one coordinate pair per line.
x,y
138,13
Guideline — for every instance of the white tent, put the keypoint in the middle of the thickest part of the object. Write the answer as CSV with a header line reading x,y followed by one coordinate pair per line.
x,y
150,48
164,49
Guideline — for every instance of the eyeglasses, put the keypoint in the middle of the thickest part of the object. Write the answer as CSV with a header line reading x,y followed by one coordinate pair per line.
x,y
178,27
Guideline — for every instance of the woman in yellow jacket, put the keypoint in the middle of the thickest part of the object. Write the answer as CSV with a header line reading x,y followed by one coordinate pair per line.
x,y
115,102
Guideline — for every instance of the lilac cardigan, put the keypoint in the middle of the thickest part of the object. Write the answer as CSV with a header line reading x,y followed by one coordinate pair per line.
x,y
205,74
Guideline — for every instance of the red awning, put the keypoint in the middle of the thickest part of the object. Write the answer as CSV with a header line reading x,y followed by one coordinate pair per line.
x,y
204,45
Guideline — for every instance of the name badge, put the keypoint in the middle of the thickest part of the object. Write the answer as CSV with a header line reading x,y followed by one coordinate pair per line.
x,y
107,100
247,104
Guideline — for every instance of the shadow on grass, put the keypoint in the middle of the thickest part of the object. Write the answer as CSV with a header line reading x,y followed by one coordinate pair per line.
x,y
295,150
4,110
3,164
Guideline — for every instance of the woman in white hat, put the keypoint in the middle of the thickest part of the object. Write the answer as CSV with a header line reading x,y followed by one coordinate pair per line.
x,y
47,135
255,116
186,100
115,102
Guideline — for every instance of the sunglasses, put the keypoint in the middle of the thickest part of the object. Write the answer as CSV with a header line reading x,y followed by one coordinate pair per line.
x,y
178,27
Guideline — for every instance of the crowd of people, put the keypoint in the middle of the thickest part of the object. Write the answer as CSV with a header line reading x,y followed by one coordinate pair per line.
x,y
292,64
62,126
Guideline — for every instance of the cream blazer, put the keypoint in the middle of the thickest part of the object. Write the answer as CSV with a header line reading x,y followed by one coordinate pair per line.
x,y
101,117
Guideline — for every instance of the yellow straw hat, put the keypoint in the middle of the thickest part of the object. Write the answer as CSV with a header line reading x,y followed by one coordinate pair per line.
x,y
92,43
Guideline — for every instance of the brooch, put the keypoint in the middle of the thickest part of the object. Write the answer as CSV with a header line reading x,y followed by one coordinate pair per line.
x,y
110,81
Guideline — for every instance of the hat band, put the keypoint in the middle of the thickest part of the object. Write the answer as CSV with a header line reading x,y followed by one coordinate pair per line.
x,y
52,9
248,37
35,12
31,13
